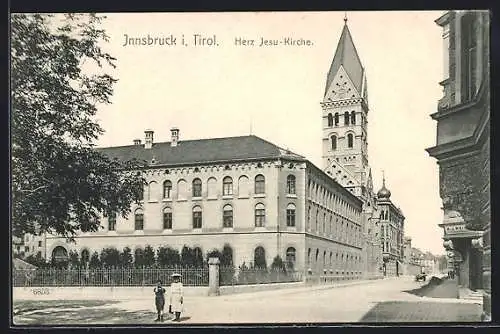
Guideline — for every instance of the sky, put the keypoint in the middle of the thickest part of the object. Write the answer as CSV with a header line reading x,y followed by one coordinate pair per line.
x,y
275,92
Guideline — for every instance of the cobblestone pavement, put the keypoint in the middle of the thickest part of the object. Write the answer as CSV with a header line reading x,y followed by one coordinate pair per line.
x,y
379,301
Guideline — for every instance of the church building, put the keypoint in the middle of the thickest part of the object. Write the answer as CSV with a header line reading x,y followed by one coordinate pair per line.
x,y
345,153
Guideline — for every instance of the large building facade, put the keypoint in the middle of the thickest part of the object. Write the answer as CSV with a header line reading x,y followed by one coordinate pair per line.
x,y
241,192
462,149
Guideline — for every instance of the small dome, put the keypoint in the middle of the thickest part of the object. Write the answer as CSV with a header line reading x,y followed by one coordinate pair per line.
x,y
384,193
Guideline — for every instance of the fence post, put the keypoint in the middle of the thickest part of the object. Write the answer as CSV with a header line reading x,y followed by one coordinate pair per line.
x,y
213,276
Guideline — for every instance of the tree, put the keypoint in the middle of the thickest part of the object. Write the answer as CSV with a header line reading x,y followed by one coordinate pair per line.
x,y
74,259
168,257
94,262
227,256
187,256
139,257
110,257
37,260
125,257
60,183
149,256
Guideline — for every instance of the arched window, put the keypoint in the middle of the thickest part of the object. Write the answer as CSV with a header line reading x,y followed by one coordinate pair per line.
x,y
212,187
353,117
152,190
331,257
308,222
139,220
227,186
227,216
60,254
181,189
196,188
197,217
290,256
167,189
112,221
317,255
260,184
260,215
336,118
324,259
198,256
167,218
346,118
324,223
290,184
309,256
227,256
290,215
350,140
259,257
330,120
243,186
334,142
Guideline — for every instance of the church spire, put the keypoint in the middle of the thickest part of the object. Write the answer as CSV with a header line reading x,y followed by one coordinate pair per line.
x,y
346,56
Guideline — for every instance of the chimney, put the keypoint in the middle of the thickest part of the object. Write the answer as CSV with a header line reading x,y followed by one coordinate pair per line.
x,y
137,142
149,139
175,136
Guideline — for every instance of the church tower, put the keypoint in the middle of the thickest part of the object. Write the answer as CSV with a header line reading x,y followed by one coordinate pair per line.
x,y
345,111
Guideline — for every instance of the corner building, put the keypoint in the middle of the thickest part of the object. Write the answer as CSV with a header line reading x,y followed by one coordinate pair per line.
x,y
244,192
462,149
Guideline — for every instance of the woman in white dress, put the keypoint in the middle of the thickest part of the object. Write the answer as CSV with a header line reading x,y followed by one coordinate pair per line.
x,y
176,296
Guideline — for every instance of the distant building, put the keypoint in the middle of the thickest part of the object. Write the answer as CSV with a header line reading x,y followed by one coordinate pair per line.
x,y
29,245
463,148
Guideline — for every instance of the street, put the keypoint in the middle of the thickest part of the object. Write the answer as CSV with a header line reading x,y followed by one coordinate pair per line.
x,y
373,301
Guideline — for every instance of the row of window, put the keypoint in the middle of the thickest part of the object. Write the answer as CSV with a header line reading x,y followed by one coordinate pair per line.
x,y
331,201
349,232
197,217
350,141
227,186
349,118
349,261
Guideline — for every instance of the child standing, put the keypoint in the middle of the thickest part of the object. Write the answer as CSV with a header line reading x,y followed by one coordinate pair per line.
x,y
176,296
159,300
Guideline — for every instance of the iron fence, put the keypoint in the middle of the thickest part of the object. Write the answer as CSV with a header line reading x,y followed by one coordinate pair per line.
x,y
108,277
231,276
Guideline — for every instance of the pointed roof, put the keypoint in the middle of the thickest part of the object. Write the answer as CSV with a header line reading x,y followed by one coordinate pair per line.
x,y
346,56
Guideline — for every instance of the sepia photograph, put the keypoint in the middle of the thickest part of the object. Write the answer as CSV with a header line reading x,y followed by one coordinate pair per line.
x,y
235,168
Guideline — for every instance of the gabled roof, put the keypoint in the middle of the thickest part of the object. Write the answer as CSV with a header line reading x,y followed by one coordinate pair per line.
x,y
346,56
202,151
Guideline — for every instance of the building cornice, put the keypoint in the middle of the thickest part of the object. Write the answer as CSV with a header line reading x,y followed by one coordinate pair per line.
x,y
465,146
443,19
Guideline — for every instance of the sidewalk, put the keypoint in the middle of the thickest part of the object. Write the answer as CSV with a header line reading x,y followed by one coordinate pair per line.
x,y
424,311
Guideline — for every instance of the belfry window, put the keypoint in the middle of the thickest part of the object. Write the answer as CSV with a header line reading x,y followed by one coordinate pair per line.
x,y
336,118
350,140
330,120
334,142
353,117
346,118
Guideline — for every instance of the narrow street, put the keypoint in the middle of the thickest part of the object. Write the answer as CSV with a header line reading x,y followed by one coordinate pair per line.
x,y
375,301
